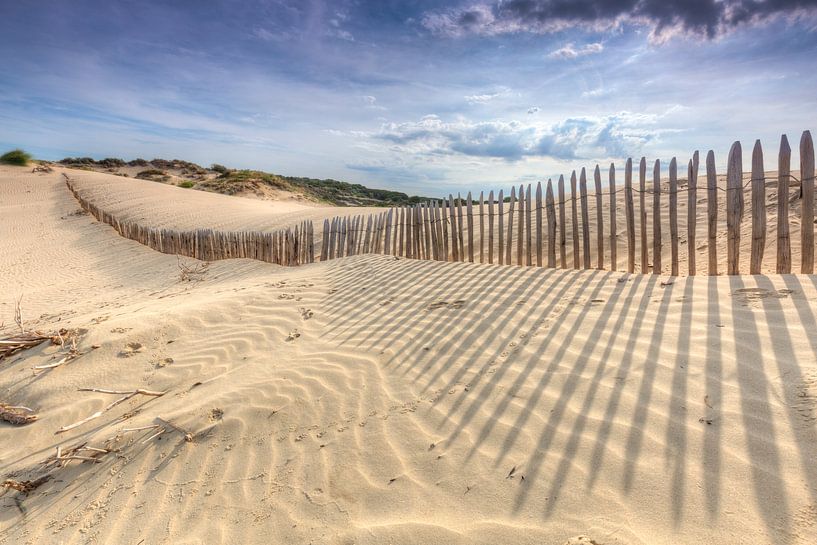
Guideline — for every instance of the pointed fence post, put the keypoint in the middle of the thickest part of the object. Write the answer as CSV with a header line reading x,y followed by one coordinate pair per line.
x,y
470,210
528,237
692,212
599,220
575,222
673,214
758,210
629,214
585,220
734,208
712,213
520,238
481,227
783,236
807,205
613,226
491,226
551,223
656,218
539,241
501,229
510,225
562,223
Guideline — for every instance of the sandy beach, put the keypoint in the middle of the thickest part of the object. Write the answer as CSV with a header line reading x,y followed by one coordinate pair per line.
x,y
376,399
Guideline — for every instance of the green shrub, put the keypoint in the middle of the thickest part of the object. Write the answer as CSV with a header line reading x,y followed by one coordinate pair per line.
x,y
221,169
15,157
187,184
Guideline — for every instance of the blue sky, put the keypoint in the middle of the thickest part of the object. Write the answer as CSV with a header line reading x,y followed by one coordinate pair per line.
x,y
424,97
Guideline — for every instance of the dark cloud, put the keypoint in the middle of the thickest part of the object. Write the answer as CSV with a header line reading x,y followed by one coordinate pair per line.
x,y
708,18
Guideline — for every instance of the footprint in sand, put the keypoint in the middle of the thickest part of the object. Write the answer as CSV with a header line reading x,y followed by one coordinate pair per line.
x,y
581,540
131,349
294,334
441,304
749,296
306,313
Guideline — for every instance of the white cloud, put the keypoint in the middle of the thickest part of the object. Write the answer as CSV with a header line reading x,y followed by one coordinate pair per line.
x,y
570,51
614,135
533,110
484,98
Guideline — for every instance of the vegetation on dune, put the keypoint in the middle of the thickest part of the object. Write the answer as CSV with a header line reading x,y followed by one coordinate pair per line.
x,y
220,179
15,157
154,175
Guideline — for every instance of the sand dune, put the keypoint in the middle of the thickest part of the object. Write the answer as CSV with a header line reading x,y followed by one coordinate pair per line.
x,y
382,400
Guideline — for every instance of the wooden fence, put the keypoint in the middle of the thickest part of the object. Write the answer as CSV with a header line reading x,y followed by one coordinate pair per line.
x,y
289,247
533,226
530,227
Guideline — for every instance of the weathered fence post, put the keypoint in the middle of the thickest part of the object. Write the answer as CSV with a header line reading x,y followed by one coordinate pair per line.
x,y
613,226
575,222
481,227
528,238
758,210
692,211
520,242
491,226
562,223
629,214
712,212
539,240
783,237
460,228
510,226
470,209
452,212
599,220
734,207
807,205
585,220
551,224
673,214
427,229
501,229
642,213
389,219
656,218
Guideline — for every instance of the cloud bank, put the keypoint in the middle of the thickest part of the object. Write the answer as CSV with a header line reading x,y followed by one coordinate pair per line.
x,y
664,19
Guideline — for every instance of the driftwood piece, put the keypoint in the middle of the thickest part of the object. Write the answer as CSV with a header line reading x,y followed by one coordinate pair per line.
x,y
17,415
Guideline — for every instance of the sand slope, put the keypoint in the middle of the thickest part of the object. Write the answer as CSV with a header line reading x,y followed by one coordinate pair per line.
x,y
382,400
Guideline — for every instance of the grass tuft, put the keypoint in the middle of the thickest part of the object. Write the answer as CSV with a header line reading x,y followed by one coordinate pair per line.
x,y
15,157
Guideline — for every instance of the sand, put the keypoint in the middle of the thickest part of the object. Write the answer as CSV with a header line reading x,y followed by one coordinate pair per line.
x,y
381,400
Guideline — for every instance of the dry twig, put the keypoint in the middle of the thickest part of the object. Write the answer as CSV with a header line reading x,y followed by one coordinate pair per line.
x,y
188,273
80,452
187,435
18,315
127,395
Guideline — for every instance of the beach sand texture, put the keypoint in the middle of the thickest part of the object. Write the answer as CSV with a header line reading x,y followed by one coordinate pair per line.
x,y
381,400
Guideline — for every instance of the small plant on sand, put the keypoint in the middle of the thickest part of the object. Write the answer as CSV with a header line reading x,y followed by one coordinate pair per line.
x,y
15,157
187,184
221,169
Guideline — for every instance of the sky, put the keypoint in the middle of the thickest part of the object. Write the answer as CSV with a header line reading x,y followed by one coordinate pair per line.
x,y
417,96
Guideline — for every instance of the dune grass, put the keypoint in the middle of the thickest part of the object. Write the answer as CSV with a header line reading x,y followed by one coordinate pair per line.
x,y
15,157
